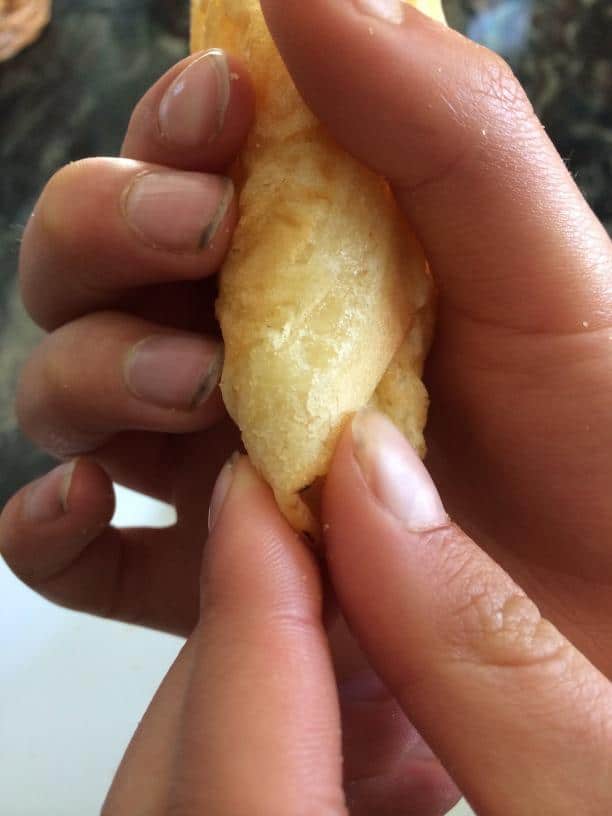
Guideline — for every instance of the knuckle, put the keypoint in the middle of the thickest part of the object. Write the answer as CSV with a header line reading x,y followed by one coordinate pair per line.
x,y
488,114
57,404
488,620
500,98
8,526
51,201
39,380
60,202
507,630
45,401
298,623
279,625
27,400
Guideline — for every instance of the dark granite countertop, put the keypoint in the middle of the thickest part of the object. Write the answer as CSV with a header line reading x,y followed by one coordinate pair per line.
x,y
70,95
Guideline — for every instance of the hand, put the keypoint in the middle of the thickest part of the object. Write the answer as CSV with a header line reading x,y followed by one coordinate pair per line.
x,y
520,375
517,714
117,263
101,289
519,275
248,719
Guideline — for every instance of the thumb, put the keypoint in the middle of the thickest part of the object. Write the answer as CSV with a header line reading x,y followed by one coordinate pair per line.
x,y
522,721
446,121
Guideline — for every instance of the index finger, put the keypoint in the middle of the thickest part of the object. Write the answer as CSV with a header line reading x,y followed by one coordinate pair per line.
x,y
260,727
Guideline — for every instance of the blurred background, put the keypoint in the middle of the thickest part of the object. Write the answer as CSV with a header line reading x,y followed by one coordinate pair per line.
x,y
73,688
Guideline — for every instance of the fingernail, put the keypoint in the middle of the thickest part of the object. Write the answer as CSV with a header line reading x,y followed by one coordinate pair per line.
x,y
222,486
363,687
173,371
180,212
394,473
47,498
192,111
391,11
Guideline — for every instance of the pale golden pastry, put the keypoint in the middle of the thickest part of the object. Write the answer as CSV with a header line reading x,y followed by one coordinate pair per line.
x,y
326,303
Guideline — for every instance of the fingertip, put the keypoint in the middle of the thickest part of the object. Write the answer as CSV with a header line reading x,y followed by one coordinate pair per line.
x,y
221,489
51,520
194,117
252,550
90,492
344,488
241,497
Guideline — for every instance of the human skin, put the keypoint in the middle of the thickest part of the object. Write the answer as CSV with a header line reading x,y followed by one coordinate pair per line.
x,y
519,375
518,714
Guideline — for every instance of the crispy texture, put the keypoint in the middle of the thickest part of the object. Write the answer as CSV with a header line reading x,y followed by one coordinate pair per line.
x,y
326,303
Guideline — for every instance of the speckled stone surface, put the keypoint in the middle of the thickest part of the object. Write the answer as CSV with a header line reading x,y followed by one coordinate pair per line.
x,y
70,96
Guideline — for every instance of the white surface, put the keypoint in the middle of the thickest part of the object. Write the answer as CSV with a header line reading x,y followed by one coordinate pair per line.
x,y
72,690
462,809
